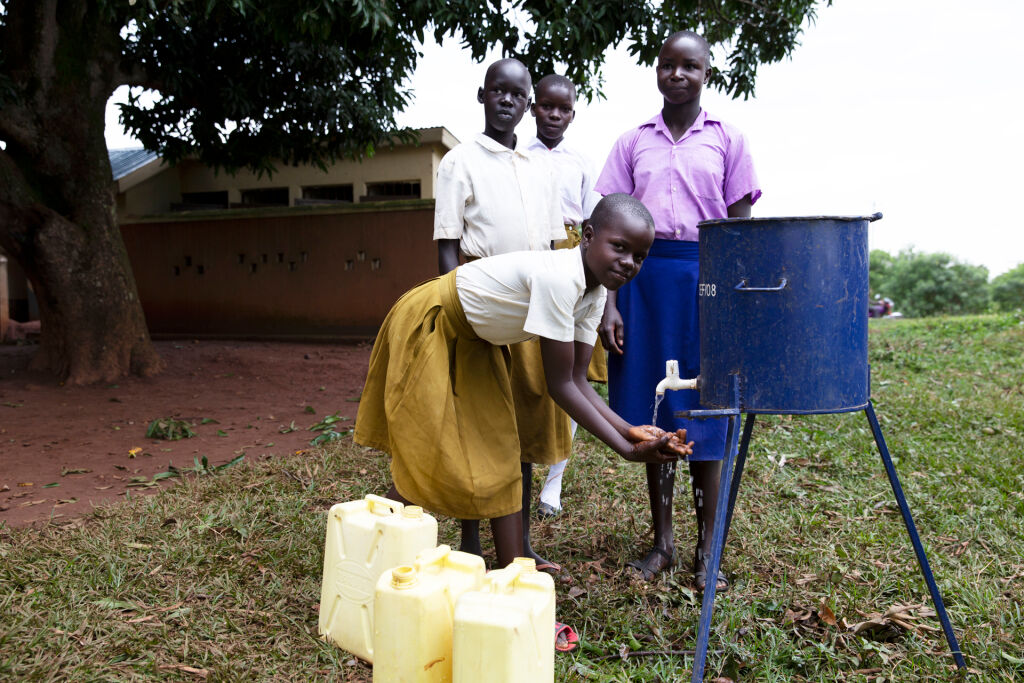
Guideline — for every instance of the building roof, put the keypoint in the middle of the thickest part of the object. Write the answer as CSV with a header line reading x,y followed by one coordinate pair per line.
x,y
124,161
141,164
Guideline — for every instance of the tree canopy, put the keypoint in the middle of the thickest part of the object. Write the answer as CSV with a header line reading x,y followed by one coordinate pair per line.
x,y
243,82
1008,289
251,83
923,284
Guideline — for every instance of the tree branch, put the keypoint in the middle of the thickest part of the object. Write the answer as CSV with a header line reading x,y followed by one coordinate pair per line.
x,y
17,126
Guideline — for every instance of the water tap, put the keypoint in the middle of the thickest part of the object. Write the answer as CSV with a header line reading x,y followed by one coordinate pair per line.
x,y
673,381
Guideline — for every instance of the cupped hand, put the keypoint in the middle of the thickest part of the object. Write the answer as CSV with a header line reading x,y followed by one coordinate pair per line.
x,y
653,450
676,445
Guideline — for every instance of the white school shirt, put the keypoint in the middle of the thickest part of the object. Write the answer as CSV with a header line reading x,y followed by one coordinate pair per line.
x,y
575,176
517,296
495,200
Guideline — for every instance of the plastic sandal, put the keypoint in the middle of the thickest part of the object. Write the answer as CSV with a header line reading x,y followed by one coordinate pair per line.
x,y
545,511
700,573
565,638
643,567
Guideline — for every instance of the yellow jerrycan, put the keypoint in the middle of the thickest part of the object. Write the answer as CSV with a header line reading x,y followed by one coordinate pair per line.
x,y
365,538
413,613
505,632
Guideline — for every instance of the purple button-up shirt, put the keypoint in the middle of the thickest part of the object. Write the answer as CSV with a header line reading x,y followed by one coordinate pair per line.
x,y
685,181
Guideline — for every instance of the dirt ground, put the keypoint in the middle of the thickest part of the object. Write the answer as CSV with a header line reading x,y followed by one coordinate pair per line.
x,y
64,450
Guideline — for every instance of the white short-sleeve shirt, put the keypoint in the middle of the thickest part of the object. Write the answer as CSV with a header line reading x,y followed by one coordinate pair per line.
x,y
495,200
513,297
574,174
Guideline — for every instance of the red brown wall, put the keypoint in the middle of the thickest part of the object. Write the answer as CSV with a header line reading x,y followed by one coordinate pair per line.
x,y
276,274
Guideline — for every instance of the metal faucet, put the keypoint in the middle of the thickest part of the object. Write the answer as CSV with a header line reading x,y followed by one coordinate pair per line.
x,y
673,381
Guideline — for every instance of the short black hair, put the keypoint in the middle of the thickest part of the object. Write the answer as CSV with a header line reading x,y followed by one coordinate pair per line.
x,y
695,36
555,79
501,62
619,203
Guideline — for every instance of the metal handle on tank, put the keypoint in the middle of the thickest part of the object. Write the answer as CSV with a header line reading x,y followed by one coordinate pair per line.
x,y
742,286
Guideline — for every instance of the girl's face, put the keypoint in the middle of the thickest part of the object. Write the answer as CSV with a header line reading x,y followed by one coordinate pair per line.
x,y
682,70
613,253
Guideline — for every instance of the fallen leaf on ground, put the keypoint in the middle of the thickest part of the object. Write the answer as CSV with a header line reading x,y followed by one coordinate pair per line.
x,y
201,673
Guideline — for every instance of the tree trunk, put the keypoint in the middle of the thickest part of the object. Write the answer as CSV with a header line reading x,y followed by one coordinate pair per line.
x,y
57,205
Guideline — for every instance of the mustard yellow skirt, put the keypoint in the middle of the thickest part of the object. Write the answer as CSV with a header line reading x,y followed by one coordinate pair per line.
x,y
439,400
597,371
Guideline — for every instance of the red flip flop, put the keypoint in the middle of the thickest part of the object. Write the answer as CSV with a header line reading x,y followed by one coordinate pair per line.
x,y
549,567
565,638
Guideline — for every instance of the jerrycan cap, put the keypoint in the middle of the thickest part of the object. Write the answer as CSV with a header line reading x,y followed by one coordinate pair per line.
x,y
404,577
412,512
528,565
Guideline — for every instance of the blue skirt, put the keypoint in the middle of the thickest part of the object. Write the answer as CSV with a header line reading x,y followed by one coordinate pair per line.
x,y
660,319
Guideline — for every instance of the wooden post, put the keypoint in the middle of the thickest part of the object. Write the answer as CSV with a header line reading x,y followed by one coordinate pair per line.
x,y
4,302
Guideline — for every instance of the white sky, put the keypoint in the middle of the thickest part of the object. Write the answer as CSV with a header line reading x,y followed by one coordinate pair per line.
x,y
908,107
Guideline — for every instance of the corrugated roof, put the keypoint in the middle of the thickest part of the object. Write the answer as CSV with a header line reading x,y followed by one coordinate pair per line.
x,y
124,161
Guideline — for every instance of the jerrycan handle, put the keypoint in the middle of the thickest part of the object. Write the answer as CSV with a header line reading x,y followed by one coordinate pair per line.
x,y
500,581
377,503
432,557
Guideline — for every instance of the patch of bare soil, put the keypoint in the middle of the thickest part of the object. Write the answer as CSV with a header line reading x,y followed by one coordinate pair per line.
x,y
64,450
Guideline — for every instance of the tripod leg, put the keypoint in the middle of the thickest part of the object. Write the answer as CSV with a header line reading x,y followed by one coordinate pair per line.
x,y
734,487
922,560
717,542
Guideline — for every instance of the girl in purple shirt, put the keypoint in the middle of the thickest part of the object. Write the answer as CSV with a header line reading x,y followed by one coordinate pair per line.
x,y
685,166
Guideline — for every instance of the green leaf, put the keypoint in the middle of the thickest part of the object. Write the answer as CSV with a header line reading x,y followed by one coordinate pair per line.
x,y
221,432
111,603
169,429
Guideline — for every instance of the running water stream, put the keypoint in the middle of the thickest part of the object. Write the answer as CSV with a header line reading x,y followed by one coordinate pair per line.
x,y
658,398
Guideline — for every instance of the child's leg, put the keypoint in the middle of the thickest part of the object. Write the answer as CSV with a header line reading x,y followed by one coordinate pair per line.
x,y
508,537
393,494
552,491
660,482
706,482
528,551
471,537
470,527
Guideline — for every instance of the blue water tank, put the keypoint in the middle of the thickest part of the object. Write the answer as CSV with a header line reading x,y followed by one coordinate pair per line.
x,y
784,306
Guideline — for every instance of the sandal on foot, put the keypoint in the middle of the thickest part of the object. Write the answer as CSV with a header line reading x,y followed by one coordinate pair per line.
x,y
549,567
700,573
545,511
645,569
565,638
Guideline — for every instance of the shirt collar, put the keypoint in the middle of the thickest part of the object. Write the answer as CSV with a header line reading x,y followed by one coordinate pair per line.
x,y
496,147
658,123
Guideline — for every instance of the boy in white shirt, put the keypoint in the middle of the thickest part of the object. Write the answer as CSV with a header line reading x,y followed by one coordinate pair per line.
x,y
554,108
492,197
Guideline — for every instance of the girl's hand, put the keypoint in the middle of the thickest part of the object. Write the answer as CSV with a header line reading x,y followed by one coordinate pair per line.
x,y
652,450
676,445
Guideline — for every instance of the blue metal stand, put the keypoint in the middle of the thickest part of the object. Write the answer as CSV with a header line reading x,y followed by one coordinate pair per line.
x,y
735,458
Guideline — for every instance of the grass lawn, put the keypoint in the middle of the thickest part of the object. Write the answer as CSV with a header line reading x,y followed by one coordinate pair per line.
x,y
219,577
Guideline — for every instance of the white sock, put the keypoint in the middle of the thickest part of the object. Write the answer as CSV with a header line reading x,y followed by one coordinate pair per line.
x,y
552,491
